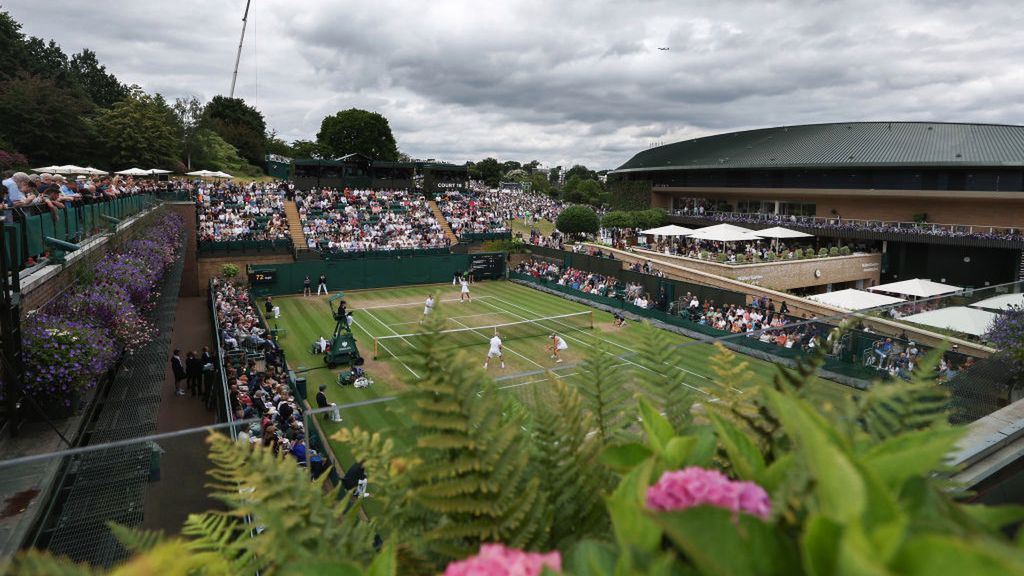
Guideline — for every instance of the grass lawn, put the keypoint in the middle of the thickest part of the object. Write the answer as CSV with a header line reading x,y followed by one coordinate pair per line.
x,y
397,311
545,227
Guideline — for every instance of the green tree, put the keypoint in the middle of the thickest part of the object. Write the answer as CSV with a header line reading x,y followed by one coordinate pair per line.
x,y
591,192
189,113
539,184
651,218
487,170
554,175
44,120
582,172
510,166
13,55
240,125
618,220
278,146
355,131
308,149
571,190
576,220
102,87
141,130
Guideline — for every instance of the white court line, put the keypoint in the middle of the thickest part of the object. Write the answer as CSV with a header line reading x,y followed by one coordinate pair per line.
x,y
503,347
386,348
449,318
545,379
567,336
356,306
680,368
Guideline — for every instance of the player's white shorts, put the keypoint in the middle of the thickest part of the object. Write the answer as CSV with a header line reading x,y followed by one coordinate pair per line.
x,y
427,310
494,353
465,289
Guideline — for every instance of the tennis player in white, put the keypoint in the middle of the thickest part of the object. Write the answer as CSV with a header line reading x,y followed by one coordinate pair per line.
x,y
428,306
465,297
557,345
495,351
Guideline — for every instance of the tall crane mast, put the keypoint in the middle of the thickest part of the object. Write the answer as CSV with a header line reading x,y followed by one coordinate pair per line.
x,y
238,56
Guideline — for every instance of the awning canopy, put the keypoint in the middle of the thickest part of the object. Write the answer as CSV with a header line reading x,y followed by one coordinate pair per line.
x,y
724,233
202,173
850,299
670,230
1000,302
779,232
918,287
959,318
133,172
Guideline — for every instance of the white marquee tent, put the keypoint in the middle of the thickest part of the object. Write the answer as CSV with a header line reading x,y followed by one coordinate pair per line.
x,y
959,318
850,299
917,287
670,230
133,172
1000,302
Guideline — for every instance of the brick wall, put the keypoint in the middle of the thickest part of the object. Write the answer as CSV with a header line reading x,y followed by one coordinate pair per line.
x,y
190,273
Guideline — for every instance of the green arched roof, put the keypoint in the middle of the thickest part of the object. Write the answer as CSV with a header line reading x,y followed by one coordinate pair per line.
x,y
840,145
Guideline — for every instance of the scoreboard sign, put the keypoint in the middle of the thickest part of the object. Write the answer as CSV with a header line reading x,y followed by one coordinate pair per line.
x,y
263,277
487,266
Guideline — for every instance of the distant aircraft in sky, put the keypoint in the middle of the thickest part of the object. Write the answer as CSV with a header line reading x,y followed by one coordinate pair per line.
x,y
664,48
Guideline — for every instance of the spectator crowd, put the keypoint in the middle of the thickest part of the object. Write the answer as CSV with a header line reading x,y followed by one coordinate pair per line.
x,y
228,212
365,220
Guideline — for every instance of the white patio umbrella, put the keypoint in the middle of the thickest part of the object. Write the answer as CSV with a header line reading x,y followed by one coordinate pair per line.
x,y
918,287
780,232
1000,302
726,227
723,235
202,173
959,318
95,171
70,169
219,174
49,169
133,172
670,230
158,171
851,299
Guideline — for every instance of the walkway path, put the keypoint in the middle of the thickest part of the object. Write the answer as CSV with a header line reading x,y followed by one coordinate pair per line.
x,y
291,211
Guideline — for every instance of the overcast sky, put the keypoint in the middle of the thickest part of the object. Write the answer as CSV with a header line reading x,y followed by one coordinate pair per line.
x,y
562,82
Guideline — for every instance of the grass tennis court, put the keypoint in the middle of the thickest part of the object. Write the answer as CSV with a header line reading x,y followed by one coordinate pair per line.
x,y
398,311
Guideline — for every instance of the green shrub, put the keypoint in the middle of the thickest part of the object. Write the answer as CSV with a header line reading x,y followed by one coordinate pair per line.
x,y
822,252
229,270
833,251
844,251
741,259
771,256
721,258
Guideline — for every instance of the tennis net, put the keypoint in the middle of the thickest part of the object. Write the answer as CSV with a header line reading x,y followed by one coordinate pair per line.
x,y
404,344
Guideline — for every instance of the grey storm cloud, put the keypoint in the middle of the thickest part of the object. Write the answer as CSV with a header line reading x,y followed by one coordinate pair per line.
x,y
562,82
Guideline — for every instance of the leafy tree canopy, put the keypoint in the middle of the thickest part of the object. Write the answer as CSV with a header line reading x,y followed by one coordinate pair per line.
x,y
356,131
44,121
141,130
618,219
488,170
240,125
576,220
102,87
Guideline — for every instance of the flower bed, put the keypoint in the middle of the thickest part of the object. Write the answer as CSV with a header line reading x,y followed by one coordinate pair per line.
x,y
68,347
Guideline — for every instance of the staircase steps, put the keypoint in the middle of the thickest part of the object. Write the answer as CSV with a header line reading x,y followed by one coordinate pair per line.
x,y
295,225
443,222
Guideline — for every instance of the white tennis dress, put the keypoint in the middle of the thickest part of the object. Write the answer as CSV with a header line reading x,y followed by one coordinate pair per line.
x,y
495,351
465,287
428,306
560,344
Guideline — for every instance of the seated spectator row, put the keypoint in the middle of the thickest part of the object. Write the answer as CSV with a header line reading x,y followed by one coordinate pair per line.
x,y
255,392
368,220
474,213
526,206
232,213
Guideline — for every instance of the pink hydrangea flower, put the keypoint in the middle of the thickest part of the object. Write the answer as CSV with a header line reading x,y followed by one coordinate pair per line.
x,y
694,486
497,560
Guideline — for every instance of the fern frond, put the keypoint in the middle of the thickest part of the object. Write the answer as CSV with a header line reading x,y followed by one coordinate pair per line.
x,y
605,394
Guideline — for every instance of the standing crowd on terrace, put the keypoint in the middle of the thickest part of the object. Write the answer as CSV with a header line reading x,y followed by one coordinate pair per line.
x,y
368,220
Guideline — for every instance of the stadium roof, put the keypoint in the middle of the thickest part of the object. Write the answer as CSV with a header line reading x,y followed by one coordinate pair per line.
x,y
842,145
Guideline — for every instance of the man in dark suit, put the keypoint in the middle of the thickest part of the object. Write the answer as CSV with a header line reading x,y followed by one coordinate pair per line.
x,y
205,360
194,372
179,372
321,400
